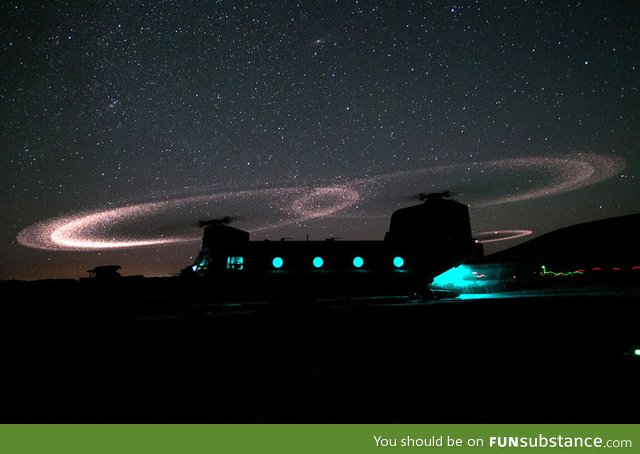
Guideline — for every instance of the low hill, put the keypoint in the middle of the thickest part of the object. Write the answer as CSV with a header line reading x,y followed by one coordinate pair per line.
x,y
607,242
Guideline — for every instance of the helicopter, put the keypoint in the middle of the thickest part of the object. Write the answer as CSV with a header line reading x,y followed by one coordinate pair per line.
x,y
422,242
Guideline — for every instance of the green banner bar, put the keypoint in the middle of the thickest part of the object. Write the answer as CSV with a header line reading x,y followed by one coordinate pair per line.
x,y
327,439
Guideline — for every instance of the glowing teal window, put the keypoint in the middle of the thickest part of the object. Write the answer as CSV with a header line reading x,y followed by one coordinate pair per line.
x,y
398,262
235,263
318,262
277,262
358,262
202,263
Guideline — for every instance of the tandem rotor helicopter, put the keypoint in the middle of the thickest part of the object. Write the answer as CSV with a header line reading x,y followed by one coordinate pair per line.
x,y
422,242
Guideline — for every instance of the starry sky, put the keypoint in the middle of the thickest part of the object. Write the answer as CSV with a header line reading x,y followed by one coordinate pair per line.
x,y
310,118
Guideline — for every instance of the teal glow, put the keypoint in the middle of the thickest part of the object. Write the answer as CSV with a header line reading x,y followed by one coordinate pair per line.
x,y
636,352
277,262
318,262
358,262
454,277
202,263
398,262
481,296
235,263
463,278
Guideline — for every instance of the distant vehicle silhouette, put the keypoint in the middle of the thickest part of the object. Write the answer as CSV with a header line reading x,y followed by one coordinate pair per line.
x,y
105,272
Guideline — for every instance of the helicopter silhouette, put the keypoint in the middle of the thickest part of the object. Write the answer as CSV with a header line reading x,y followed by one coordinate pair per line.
x,y
422,241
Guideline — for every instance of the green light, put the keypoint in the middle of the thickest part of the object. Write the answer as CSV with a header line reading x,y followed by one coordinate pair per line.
x,y
544,272
358,262
636,352
398,262
277,262
318,262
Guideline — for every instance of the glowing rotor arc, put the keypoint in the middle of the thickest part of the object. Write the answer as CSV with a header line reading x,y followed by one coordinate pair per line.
x,y
90,231
289,205
500,235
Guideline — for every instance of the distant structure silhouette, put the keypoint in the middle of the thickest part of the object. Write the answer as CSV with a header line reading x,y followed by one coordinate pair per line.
x,y
105,272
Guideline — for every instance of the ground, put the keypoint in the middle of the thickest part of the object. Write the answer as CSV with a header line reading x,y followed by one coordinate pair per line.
x,y
94,355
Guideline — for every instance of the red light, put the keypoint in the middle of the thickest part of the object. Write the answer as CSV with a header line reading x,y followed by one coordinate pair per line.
x,y
597,268
635,267
616,269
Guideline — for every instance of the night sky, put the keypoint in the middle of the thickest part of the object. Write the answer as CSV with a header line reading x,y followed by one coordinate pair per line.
x,y
124,123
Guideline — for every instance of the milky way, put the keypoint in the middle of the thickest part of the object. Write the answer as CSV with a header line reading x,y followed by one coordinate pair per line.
x,y
275,207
